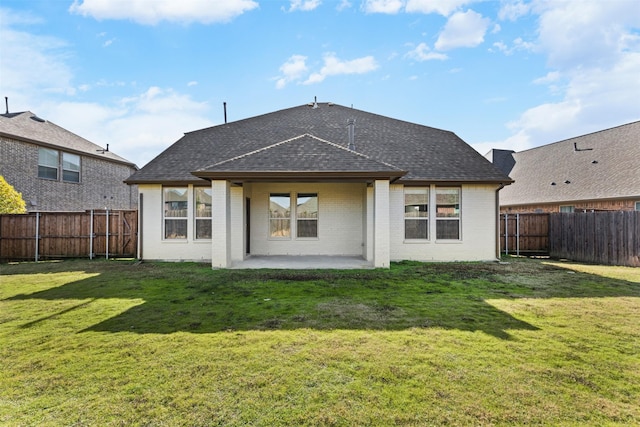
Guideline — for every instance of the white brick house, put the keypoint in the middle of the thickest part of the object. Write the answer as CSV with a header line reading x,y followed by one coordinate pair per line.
x,y
319,179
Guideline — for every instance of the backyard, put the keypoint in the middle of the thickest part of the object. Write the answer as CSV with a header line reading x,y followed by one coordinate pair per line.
x,y
526,341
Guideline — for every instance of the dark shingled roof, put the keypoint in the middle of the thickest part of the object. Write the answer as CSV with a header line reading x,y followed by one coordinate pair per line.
x,y
266,143
599,165
26,126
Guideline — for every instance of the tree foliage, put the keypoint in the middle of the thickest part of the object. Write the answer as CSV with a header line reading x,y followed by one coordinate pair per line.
x,y
11,201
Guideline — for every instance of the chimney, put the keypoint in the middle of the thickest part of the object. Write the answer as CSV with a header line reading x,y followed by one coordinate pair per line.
x,y
351,126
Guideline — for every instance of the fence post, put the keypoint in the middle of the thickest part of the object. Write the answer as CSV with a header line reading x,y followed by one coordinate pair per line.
x,y
37,234
518,234
506,234
91,236
107,243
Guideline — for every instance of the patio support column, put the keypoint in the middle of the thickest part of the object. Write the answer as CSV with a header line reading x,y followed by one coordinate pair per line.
x,y
236,206
369,223
381,253
221,224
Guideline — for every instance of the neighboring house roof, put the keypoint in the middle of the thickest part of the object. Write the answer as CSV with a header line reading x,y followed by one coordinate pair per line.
x,y
28,127
599,165
315,138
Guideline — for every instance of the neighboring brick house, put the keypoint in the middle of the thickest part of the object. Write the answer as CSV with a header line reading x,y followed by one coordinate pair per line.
x,y
319,179
56,170
599,171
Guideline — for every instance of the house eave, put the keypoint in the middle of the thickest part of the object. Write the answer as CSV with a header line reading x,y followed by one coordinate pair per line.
x,y
299,176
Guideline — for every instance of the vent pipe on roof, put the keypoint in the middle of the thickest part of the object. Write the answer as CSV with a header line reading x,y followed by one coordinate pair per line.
x,y
315,102
6,101
351,126
224,106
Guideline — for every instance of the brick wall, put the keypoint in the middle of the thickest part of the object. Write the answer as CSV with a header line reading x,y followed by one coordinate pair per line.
x,y
101,183
597,205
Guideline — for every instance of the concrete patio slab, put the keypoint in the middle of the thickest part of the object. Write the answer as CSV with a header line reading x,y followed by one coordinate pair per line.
x,y
303,262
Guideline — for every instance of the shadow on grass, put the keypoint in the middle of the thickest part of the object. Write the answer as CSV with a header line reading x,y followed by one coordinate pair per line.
x,y
194,298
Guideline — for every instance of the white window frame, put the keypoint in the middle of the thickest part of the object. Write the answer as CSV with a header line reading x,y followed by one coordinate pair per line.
x,y
51,167
277,218
200,212
457,211
567,208
298,218
638,206
166,217
409,214
68,167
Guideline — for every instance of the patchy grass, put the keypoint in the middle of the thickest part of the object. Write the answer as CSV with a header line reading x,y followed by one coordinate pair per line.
x,y
120,343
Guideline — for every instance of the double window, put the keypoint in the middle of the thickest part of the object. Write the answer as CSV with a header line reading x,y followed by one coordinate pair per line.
x,y
280,215
176,213
447,213
53,164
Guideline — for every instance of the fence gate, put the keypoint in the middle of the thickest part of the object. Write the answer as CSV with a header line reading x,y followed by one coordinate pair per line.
x,y
50,235
524,233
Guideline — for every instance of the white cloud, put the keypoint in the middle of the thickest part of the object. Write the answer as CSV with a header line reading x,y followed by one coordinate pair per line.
x,y
590,48
383,6
512,10
442,7
344,4
293,69
422,52
463,29
192,83
304,5
152,12
23,78
518,45
137,128
334,66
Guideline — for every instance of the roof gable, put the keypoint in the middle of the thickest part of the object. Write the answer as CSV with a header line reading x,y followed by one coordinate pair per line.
x,y
302,154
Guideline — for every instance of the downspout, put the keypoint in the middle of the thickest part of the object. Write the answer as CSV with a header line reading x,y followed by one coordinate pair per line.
x,y
498,220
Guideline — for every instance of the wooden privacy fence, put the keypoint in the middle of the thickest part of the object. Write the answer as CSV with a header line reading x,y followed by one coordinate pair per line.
x,y
524,233
611,238
52,235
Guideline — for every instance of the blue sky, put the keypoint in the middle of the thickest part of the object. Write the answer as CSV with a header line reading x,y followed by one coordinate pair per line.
x,y
137,74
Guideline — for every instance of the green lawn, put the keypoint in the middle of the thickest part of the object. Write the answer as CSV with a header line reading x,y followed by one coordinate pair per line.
x,y
114,343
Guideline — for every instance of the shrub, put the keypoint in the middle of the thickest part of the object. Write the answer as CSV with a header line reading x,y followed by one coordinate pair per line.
x,y
11,201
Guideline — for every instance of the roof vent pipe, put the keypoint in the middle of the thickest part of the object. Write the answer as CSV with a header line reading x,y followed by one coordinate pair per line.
x,y
351,126
224,106
6,101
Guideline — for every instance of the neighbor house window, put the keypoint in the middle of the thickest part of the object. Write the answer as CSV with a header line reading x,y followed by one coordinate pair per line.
x,y
638,206
448,213
70,167
416,213
175,212
566,209
48,162
307,215
202,209
279,215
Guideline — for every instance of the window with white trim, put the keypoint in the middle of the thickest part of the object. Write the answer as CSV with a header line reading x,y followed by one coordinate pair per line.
x,y
70,167
202,210
280,215
416,213
307,215
48,163
638,206
567,208
447,213
175,201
